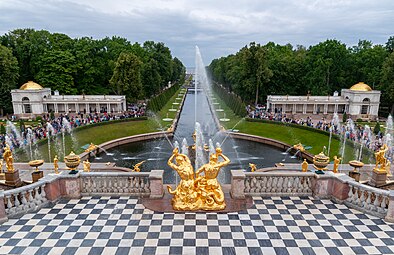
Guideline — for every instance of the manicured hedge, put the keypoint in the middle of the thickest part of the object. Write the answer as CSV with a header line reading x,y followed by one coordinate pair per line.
x,y
157,102
233,101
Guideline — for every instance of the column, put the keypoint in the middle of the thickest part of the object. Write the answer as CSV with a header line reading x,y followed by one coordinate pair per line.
x,y
336,108
294,108
66,110
76,108
124,105
87,108
97,107
325,108
108,107
304,109
56,108
273,108
314,108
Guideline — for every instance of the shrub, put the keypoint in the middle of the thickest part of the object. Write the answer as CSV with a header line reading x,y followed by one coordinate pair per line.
x,y
359,120
39,119
157,102
233,101
344,117
2,129
376,129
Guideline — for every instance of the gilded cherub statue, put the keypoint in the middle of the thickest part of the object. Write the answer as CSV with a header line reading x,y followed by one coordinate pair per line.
x,y
253,167
136,167
86,166
9,161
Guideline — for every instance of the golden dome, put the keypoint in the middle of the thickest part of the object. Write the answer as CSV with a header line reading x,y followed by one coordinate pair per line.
x,y
361,86
31,85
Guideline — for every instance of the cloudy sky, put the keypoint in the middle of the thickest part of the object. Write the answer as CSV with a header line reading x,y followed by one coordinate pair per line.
x,y
218,27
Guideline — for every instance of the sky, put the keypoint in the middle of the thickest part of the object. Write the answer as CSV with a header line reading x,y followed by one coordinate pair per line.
x,y
218,27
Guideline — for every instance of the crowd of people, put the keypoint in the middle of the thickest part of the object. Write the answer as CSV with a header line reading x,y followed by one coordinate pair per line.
x,y
352,131
50,125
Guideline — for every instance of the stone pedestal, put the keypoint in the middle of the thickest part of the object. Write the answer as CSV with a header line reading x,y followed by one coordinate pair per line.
x,y
36,175
12,179
2,176
237,184
355,175
378,178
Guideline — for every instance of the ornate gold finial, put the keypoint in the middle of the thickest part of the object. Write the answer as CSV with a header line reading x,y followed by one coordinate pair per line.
x,y
336,164
253,167
9,160
304,166
136,167
202,192
56,164
381,160
320,162
72,162
86,166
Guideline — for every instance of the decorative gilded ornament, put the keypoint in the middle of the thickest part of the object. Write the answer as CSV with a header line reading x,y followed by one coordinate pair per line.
x,y
136,167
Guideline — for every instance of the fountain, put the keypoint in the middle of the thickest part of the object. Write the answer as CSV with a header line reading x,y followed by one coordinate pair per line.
x,y
224,118
50,132
167,119
172,109
335,125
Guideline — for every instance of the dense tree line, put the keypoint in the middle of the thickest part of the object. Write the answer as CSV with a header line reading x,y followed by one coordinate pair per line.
x,y
256,71
85,65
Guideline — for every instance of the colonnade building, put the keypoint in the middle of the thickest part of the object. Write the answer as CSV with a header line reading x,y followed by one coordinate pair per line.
x,y
359,102
31,99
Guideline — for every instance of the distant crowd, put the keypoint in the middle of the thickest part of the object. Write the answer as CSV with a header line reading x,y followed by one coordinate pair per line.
x,y
357,133
24,135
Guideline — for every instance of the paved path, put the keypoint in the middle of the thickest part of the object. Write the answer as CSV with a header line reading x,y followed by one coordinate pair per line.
x,y
120,225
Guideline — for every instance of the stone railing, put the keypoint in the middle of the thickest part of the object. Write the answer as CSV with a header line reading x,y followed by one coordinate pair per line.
x,y
24,199
368,199
272,183
130,183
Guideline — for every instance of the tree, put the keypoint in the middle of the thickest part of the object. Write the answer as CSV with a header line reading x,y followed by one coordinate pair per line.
x,y
57,71
8,78
127,76
387,83
376,129
390,44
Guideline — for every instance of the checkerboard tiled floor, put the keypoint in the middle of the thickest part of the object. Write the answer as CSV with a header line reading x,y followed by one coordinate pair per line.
x,y
120,225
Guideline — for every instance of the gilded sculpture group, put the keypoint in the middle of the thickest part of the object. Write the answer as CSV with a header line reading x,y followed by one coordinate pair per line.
x,y
197,192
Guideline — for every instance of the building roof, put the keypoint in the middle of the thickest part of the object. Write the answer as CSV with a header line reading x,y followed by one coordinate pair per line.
x,y
361,86
31,85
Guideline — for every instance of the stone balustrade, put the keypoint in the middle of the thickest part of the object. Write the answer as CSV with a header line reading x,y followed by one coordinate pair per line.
x,y
368,199
274,183
131,183
24,199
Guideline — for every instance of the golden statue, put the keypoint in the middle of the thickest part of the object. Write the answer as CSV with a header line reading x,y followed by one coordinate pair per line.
x,y
381,160
9,161
336,164
202,192
299,147
91,147
304,166
388,168
56,164
208,187
86,166
1,165
253,167
185,195
136,167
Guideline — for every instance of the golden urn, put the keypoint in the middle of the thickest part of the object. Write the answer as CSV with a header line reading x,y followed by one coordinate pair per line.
x,y
72,162
320,162
356,164
36,163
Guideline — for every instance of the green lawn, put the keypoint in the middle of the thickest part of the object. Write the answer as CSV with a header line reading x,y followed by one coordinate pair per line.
x,y
165,113
286,134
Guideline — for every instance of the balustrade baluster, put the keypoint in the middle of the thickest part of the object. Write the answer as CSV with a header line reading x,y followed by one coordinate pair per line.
x,y
367,204
362,198
383,204
9,208
274,184
43,194
25,203
280,184
247,185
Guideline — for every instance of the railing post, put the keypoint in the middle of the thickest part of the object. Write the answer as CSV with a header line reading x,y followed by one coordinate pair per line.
x,y
390,211
321,185
3,214
52,188
156,183
237,184
70,185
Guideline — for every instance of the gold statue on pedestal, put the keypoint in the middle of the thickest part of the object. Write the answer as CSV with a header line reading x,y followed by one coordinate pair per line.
x,y
86,166
202,192
136,167
9,160
56,164
91,147
253,167
381,160
336,164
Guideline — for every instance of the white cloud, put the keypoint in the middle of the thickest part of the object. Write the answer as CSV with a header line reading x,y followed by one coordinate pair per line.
x,y
218,27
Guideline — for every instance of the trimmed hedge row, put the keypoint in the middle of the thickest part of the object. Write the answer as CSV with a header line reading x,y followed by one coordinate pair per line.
x,y
157,102
233,101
